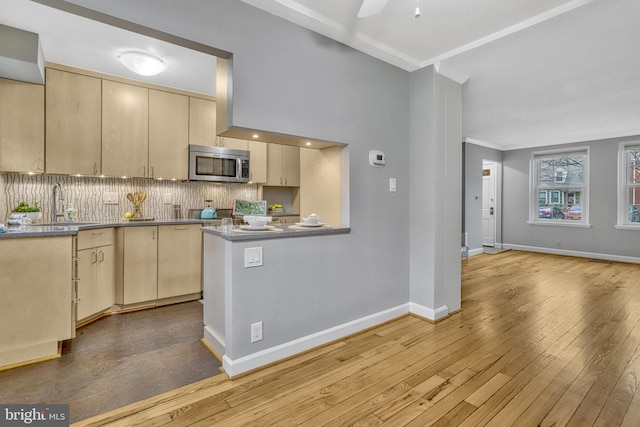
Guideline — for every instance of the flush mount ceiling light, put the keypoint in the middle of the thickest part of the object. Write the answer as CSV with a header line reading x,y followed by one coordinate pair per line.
x,y
142,63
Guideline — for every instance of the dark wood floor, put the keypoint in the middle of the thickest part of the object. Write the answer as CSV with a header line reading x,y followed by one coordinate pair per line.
x,y
541,340
118,360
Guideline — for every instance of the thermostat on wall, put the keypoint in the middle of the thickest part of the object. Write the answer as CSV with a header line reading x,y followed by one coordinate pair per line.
x,y
377,158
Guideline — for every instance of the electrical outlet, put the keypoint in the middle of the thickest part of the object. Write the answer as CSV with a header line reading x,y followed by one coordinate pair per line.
x,y
252,257
110,198
256,332
167,198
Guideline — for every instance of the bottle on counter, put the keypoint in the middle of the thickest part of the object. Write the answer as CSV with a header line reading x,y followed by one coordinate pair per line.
x,y
71,214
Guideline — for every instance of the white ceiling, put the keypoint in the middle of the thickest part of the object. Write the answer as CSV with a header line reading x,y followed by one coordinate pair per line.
x,y
445,27
541,71
73,40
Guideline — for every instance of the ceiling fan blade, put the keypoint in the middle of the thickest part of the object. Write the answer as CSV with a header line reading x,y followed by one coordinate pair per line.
x,y
371,8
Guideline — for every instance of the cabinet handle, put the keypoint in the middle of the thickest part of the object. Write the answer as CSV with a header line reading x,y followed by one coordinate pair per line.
x,y
95,169
151,171
153,234
280,180
181,227
95,235
144,170
101,256
94,257
285,180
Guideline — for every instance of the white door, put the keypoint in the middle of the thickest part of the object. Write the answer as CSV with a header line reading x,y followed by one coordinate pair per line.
x,y
488,204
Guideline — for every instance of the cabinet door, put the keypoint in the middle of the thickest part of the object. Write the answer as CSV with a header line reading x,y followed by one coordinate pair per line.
x,y
233,143
105,278
87,260
291,166
125,129
21,127
258,161
168,135
202,121
179,260
73,125
274,165
140,269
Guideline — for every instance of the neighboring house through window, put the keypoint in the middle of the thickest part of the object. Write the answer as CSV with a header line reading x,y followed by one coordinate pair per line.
x,y
629,185
559,192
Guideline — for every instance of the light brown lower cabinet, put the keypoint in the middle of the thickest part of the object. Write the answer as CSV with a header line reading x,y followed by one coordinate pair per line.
x,y
96,272
179,260
157,262
37,297
136,264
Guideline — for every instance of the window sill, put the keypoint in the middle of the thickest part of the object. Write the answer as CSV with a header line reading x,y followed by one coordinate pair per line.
x,y
627,227
561,224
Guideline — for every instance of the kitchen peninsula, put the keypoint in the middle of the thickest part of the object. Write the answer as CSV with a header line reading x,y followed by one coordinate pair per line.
x,y
266,287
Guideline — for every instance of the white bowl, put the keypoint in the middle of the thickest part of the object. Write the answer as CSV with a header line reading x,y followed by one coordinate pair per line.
x,y
257,221
312,219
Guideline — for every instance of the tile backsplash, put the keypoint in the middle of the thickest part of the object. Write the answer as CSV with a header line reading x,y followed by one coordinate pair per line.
x,y
86,194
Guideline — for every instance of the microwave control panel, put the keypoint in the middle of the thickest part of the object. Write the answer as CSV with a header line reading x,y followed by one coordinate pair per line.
x,y
245,168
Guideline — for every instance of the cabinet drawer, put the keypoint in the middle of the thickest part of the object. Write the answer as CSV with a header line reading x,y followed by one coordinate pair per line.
x,y
94,238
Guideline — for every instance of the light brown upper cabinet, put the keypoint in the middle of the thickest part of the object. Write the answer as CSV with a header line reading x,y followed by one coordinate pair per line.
x,y
233,143
21,127
258,161
283,165
125,129
73,123
168,135
202,121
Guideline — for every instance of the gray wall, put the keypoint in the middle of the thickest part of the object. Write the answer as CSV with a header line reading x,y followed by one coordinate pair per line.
x,y
474,155
602,238
292,81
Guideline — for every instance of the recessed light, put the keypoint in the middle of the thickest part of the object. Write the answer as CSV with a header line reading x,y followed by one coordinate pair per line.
x,y
255,136
308,143
142,63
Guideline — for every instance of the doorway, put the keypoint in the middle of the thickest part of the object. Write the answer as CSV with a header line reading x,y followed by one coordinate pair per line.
x,y
491,172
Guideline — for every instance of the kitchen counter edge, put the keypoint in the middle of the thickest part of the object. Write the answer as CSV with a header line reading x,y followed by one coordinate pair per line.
x,y
287,231
49,230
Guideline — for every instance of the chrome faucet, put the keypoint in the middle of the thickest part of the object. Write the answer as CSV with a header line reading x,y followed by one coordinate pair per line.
x,y
54,211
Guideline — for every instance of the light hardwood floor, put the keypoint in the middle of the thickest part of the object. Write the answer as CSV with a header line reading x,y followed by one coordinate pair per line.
x,y
541,340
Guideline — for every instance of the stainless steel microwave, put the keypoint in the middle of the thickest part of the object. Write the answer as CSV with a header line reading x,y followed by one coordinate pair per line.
x,y
218,164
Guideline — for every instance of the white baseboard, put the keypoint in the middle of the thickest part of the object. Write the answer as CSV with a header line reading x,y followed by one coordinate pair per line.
x,y
475,251
252,361
214,340
555,251
429,313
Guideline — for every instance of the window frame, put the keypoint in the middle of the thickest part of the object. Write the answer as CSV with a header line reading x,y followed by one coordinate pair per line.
x,y
623,222
534,189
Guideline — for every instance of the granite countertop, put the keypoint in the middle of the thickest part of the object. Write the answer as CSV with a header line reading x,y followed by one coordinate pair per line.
x,y
279,231
65,229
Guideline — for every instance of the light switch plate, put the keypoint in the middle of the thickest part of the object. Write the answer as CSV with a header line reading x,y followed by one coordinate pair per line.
x,y
252,257
392,185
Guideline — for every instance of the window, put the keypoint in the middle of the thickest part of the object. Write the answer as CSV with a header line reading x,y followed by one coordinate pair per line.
x,y
629,185
559,187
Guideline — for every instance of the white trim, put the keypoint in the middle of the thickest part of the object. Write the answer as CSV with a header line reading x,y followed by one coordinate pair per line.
x,y
565,223
627,227
580,254
252,361
534,189
214,340
623,222
429,313
451,73
476,251
484,144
